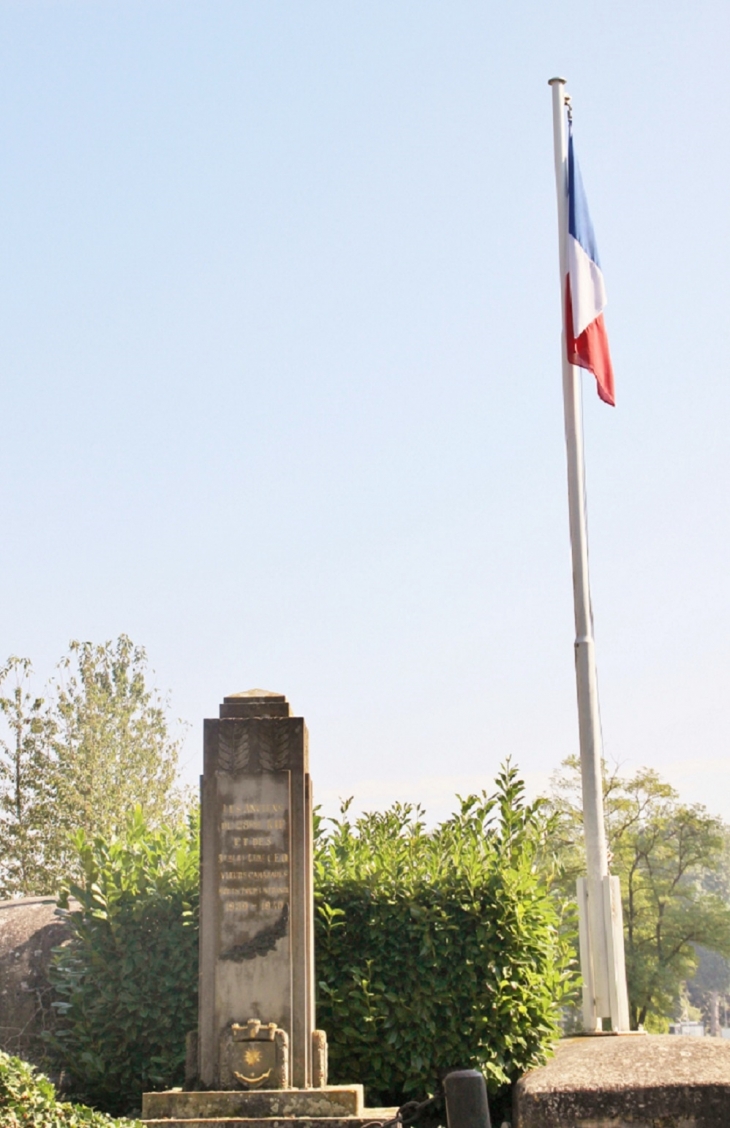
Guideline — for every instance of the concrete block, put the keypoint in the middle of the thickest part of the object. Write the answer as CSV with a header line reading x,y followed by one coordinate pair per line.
x,y
650,1081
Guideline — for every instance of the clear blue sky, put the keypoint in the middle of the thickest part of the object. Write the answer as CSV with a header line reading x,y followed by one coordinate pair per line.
x,y
279,319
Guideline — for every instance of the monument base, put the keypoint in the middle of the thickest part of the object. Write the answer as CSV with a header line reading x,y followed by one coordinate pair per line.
x,y
335,1106
369,1115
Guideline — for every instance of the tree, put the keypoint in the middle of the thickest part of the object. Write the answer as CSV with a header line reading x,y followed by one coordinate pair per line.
x,y
662,850
81,756
112,746
27,833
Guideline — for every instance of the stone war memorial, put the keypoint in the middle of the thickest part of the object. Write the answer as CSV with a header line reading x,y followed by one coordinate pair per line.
x,y
256,1057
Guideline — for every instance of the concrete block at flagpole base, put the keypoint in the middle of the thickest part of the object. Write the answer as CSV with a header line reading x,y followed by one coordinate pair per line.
x,y
615,1004
591,1020
622,1080
614,920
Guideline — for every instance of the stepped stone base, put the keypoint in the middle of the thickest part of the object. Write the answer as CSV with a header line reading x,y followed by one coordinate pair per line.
x,y
655,1081
369,1115
336,1106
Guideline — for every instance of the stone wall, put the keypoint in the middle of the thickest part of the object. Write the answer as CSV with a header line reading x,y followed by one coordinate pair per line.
x,y
29,930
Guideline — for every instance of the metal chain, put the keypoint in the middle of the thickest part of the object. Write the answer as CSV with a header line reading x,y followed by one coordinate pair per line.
x,y
406,1115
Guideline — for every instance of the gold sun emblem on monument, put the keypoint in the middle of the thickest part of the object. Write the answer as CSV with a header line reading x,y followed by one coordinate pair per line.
x,y
252,1057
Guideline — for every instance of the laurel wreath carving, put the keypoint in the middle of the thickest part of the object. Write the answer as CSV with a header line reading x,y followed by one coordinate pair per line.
x,y
274,748
263,942
267,748
234,748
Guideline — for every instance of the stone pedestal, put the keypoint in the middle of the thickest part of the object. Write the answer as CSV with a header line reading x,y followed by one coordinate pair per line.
x,y
335,1101
335,1106
256,927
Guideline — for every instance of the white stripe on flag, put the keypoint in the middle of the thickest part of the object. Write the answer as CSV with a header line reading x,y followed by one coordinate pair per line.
x,y
587,289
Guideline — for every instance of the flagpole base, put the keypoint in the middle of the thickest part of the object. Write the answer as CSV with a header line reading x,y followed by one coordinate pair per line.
x,y
602,957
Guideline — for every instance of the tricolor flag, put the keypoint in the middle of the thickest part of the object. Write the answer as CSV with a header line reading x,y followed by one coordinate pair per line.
x,y
585,299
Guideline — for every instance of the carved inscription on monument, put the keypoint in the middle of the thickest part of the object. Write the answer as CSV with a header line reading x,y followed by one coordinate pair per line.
x,y
253,864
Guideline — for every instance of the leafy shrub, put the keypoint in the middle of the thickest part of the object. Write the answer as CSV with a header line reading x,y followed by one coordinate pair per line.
x,y
434,950
28,1100
438,950
127,980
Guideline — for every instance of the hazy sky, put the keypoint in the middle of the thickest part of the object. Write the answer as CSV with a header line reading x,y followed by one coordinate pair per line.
x,y
279,349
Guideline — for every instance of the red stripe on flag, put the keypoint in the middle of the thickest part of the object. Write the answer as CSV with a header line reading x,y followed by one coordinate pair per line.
x,y
590,350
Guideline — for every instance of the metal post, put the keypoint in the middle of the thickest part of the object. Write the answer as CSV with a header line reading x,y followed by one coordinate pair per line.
x,y
466,1099
597,999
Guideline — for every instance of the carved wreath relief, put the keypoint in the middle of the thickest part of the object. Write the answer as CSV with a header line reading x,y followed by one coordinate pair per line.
x,y
263,748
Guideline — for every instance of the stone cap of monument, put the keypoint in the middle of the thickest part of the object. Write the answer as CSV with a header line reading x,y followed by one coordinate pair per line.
x,y
259,703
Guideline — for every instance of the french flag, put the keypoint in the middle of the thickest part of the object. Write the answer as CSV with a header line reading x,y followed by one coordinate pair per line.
x,y
585,299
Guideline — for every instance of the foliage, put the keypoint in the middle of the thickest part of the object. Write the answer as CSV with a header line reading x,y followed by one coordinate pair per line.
x,y
437,950
663,851
28,1100
127,980
28,838
80,755
434,950
113,747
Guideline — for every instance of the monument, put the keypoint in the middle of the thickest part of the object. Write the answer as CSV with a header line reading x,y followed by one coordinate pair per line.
x,y
256,925
256,1053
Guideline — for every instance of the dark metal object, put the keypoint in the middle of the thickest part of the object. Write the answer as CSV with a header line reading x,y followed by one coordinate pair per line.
x,y
407,1114
466,1099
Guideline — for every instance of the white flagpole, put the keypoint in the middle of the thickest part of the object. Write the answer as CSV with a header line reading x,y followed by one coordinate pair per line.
x,y
604,993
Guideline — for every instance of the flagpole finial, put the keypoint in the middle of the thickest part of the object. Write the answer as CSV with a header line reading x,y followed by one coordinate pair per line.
x,y
553,81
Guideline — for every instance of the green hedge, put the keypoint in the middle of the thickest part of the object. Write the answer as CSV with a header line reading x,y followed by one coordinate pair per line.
x,y
28,1100
438,951
434,950
127,983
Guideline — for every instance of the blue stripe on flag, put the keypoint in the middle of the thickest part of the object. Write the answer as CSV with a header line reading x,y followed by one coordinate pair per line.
x,y
579,221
